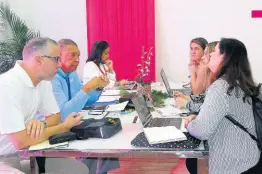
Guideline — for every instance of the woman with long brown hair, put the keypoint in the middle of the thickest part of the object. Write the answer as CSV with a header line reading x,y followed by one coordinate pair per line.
x,y
231,150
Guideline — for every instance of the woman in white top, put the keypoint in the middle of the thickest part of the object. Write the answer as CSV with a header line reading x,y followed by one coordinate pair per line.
x,y
98,63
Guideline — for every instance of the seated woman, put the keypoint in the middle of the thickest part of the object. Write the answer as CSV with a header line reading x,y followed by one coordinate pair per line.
x,y
197,47
194,102
231,150
98,63
205,76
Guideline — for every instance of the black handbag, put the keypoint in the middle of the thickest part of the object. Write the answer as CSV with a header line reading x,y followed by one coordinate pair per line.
x,y
97,128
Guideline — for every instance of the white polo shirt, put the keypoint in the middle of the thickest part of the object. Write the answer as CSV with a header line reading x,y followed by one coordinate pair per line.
x,y
20,100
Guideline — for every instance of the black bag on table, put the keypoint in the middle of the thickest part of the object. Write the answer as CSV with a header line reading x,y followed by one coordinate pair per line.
x,y
97,128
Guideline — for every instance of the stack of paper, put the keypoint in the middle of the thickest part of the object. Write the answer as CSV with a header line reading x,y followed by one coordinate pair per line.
x,y
169,111
108,98
110,92
167,134
88,115
116,107
46,145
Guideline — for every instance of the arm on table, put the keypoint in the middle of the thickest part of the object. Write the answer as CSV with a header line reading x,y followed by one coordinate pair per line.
x,y
53,119
22,140
213,110
77,103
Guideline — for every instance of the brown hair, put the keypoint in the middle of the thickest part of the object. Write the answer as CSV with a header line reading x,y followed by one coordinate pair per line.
x,y
209,76
200,41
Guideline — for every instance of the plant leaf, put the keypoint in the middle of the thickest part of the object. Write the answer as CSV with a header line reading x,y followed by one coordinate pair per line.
x,y
16,34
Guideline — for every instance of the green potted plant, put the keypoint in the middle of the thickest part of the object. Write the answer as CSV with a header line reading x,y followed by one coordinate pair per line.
x,y
15,35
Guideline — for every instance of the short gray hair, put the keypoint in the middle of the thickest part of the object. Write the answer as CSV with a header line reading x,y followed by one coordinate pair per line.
x,y
65,42
37,45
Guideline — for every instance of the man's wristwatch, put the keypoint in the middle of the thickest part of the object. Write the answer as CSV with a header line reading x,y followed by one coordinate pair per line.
x,y
45,125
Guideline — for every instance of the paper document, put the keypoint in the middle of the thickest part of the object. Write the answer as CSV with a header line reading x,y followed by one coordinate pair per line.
x,y
116,107
108,98
46,145
169,111
110,92
167,134
86,115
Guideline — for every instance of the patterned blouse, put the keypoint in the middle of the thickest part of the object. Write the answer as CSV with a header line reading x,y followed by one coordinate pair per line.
x,y
231,150
196,102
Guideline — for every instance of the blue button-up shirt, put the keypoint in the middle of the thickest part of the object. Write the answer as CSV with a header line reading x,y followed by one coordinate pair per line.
x,y
79,99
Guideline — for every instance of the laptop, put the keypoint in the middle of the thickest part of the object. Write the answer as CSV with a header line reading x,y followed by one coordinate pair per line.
x,y
170,91
148,120
130,85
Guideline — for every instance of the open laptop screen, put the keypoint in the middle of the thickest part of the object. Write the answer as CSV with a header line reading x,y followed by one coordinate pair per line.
x,y
164,78
142,109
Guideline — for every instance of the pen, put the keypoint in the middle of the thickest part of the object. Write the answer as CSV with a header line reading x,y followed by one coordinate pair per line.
x,y
135,119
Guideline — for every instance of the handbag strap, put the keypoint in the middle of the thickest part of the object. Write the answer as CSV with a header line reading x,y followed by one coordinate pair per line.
x,y
231,119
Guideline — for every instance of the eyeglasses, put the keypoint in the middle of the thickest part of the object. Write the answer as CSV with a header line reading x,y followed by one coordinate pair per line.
x,y
56,59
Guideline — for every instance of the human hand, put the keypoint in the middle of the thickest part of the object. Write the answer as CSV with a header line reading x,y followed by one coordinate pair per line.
x,y
109,64
188,119
180,102
98,82
35,128
72,120
103,81
178,94
123,83
192,68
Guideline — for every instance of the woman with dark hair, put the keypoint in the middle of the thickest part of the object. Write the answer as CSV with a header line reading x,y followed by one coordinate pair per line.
x,y
231,150
99,64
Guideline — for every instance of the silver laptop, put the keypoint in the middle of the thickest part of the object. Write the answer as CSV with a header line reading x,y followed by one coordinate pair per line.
x,y
147,119
170,91
130,85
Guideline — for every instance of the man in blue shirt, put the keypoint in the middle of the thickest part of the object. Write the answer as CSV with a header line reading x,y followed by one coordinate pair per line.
x,y
71,95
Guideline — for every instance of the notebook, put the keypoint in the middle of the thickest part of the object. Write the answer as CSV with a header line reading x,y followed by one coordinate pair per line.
x,y
167,134
46,145
116,107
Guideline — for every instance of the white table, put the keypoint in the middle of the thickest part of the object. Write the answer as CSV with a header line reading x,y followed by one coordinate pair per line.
x,y
118,145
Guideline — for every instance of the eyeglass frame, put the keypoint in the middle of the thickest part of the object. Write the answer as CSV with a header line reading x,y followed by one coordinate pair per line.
x,y
56,58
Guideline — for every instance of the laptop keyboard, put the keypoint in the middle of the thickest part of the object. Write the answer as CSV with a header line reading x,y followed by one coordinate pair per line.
x,y
162,122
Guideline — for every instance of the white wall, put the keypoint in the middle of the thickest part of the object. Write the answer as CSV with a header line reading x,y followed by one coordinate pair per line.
x,y
56,19
177,22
